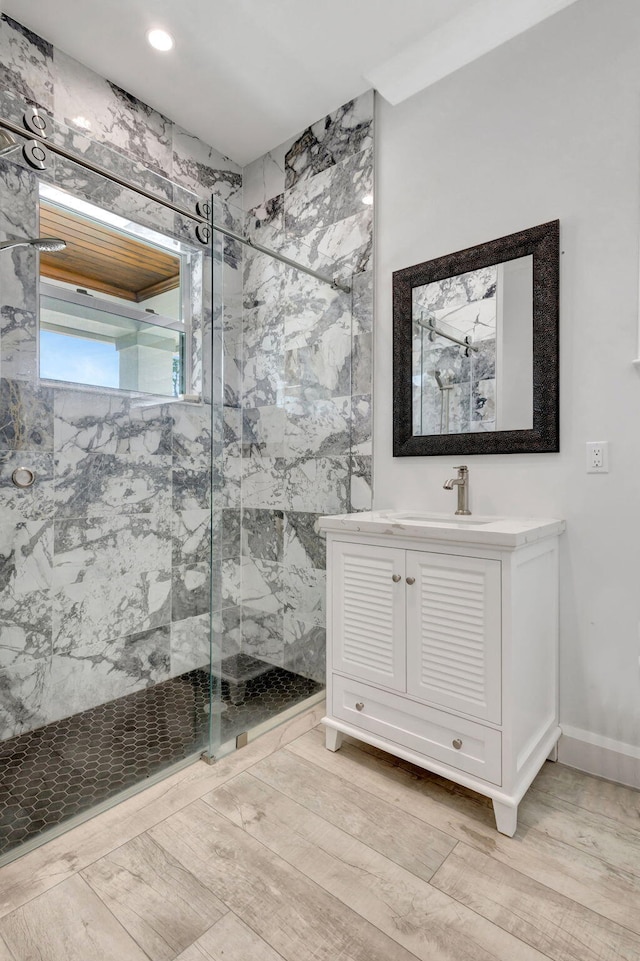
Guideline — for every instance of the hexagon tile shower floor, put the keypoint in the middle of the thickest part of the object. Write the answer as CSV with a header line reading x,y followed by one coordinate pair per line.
x,y
58,771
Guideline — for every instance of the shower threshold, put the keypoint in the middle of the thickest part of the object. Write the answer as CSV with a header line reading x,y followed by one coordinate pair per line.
x,y
57,776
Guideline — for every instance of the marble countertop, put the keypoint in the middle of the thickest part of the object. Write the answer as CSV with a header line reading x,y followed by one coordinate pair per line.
x,y
478,530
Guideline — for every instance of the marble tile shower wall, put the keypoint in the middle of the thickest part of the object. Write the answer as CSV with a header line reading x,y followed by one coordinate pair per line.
x,y
299,414
104,564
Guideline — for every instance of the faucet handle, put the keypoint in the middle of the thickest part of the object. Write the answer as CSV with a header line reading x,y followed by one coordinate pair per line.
x,y
463,467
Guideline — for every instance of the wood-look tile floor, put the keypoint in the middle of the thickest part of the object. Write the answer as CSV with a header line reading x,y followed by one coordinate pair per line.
x,y
287,851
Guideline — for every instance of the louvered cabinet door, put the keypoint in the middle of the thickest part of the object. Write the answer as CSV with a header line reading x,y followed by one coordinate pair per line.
x,y
368,619
454,633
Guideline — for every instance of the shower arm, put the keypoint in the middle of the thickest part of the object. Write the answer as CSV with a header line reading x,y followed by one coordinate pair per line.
x,y
102,172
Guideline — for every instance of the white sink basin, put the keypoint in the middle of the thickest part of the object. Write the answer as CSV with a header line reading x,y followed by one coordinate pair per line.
x,y
432,519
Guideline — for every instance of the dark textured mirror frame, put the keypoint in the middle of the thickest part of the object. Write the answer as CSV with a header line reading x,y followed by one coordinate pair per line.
x,y
543,242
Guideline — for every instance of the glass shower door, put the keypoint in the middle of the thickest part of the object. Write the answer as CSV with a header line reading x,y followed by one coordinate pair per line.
x,y
106,457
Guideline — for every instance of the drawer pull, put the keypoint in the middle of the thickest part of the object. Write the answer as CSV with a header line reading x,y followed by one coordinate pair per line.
x,y
360,706
457,743
411,580
395,578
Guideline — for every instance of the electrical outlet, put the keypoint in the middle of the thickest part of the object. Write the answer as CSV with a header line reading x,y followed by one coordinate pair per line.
x,y
598,457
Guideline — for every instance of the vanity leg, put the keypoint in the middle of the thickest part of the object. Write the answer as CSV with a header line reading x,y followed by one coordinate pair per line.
x,y
553,756
506,818
333,739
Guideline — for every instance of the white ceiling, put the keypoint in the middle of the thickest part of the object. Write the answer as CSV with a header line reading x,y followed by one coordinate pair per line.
x,y
245,75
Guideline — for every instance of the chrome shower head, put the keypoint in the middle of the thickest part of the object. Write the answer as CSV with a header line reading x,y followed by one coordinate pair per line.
x,y
7,142
48,244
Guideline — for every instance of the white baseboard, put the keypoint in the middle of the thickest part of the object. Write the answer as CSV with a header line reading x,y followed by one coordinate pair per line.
x,y
602,756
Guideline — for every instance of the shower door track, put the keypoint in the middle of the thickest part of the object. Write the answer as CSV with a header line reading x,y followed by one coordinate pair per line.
x,y
114,178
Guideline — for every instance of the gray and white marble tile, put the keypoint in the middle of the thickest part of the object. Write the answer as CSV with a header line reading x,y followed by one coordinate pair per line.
x,y
191,443
79,181
263,378
305,648
263,431
316,428
263,585
95,548
26,416
262,280
229,543
262,534
341,133
145,657
95,485
114,117
80,680
346,245
265,223
483,401
304,544
19,216
303,592
29,503
227,632
25,656
319,485
360,486
322,370
263,635
26,556
361,424
191,536
203,169
191,591
313,311
191,489
361,364
231,582
263,482
264,330
232,396
25,63
228,494
330,196
190,644
87,616
362,302
18,344
264,178
93,422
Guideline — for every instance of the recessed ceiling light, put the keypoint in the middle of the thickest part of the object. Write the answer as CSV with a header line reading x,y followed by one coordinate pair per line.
x,y
160,39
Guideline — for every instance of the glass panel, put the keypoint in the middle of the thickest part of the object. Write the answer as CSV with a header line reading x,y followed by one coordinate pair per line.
x,y
287,442
108,581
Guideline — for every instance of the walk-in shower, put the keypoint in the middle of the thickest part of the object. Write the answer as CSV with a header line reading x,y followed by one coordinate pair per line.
x,y
148,612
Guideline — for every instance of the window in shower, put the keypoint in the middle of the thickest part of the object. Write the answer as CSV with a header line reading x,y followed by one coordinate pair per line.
x,y
115,303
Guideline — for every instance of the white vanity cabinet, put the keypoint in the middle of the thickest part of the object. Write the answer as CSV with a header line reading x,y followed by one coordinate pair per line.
x,y
442,646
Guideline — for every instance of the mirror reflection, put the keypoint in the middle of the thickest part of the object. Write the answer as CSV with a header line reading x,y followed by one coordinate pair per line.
x,y
472,351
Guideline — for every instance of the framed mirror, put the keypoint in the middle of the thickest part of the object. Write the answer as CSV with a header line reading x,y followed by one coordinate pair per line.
x,y
475,349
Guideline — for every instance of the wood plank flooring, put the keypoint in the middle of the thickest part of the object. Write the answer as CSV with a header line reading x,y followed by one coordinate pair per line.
x,y
288,852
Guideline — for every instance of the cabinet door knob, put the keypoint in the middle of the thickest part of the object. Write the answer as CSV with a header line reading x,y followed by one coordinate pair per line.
x,y
457,743
359,706
395,578
411,580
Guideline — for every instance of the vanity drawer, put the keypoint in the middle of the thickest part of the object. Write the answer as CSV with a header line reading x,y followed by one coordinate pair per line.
x,y
420,728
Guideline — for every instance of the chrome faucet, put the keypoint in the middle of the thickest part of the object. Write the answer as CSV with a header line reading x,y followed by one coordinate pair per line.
x,y
462,483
